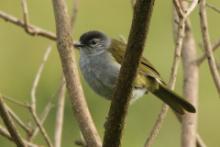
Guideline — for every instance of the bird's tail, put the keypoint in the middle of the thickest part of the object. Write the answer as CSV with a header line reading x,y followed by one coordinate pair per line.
x,y
176,102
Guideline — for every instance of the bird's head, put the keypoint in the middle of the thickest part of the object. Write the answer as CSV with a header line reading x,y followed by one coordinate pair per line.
x,y
93,42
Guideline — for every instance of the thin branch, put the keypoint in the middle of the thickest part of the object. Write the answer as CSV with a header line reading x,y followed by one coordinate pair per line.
x,y
207,45
4,133
60,113
190,88
37,78
35,31
175,65
10,124
213,7
41,128
66,52
25,15
18,120
33,98
16,102
171,84
120,101
215,46
43,118
74,13
158,124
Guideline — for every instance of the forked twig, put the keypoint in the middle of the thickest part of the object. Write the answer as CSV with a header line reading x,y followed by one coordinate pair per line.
x,y
215,46
35,31
33,98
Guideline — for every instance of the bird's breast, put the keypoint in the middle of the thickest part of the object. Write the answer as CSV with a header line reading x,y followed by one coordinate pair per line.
x,y
100,73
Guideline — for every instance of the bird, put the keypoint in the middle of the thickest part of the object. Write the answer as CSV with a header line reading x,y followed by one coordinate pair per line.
x,y
100,62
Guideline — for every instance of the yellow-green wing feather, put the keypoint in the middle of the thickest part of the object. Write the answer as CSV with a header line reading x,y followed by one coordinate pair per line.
x,y
117,49
148,77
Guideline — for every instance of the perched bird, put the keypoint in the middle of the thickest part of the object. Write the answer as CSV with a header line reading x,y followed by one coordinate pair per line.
x,y
100,62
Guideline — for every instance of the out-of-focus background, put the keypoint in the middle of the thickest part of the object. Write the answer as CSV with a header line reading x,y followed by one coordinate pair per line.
x,y
21,54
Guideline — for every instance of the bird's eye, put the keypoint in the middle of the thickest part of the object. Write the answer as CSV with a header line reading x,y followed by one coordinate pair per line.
x,y
93,42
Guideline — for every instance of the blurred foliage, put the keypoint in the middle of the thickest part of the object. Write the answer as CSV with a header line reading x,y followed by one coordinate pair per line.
x,y
21,54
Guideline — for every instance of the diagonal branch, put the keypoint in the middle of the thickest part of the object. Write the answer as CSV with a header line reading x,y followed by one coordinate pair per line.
x,y
215,46
207,45
118,110
10,124
4,133
66,52
35,31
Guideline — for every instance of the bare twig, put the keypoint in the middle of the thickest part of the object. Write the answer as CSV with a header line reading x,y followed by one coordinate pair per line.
x,y
4,133
120,101
37,78
158,124
18,120
190,88
16,102
33,98
215,46
213,7
41,128
174,69
60,113
10,124
81,142
66,52
43,117
35,31
25,15
74,13
207,45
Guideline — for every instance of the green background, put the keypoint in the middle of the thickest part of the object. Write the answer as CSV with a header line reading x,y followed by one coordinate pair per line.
x,y
21,54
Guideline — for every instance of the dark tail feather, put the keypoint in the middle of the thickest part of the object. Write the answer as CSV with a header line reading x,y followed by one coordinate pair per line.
x,y
176,102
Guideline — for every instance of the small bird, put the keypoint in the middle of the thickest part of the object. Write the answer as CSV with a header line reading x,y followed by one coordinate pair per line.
x,y
100,62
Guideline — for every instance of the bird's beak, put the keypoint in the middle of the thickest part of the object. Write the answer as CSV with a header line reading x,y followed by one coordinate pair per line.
x,y
78,45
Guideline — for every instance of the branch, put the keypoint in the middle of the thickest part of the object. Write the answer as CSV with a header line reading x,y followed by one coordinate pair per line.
x,y
190,88
213,7
215,46
4,133
35,31
60,113
74,13
37,78
10,124
41,128
16,102
43,117
179,34
33,98
207,45
66,52
118,110
25,15
18,120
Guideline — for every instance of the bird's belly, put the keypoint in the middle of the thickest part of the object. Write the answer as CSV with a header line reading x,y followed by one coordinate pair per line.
x,y
99,80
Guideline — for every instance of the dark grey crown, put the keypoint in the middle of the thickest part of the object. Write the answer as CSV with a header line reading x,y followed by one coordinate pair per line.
x,y
88,36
